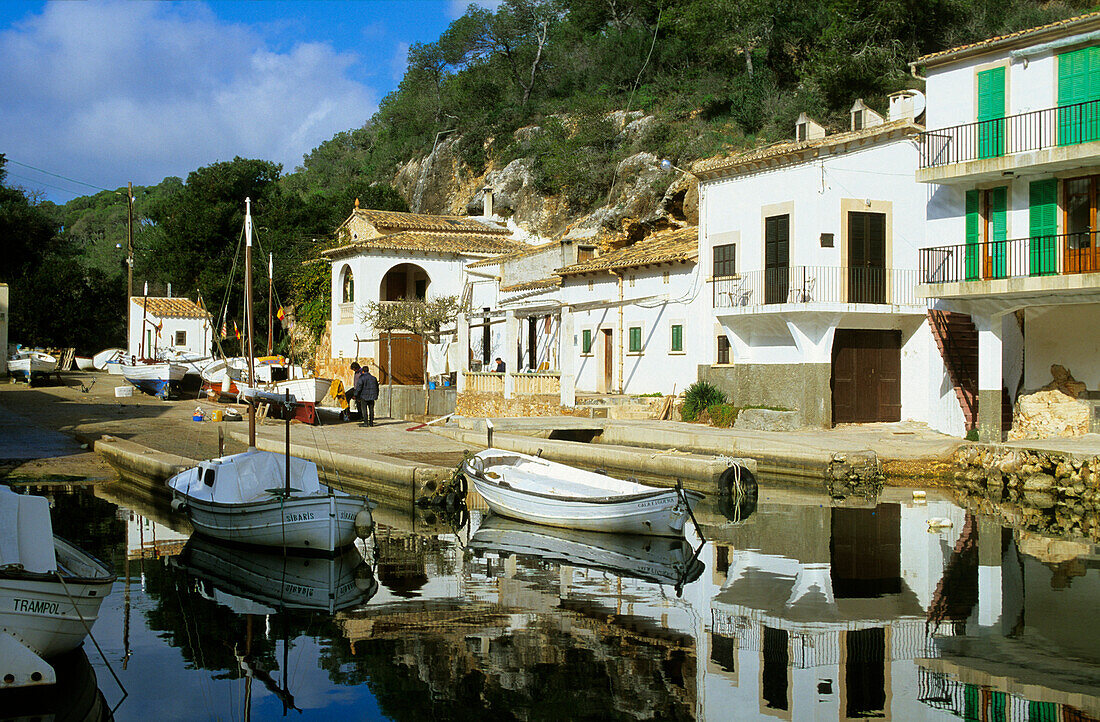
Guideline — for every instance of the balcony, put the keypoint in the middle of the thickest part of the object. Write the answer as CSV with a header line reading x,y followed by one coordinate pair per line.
x,y
1052,139
811,288
1067,262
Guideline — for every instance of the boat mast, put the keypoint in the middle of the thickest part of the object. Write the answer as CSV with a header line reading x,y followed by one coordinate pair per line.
x,y
144,309
270,296
248,318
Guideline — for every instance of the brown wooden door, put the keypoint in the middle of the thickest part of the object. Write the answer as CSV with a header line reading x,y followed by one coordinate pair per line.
x,y
866,381
403,353
608,361
1080,201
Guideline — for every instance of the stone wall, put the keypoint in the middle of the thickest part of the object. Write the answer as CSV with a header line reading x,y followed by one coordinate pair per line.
x,y
1045,491
804,388
474,404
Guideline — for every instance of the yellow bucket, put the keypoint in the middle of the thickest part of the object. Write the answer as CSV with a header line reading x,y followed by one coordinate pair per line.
x,y
216,415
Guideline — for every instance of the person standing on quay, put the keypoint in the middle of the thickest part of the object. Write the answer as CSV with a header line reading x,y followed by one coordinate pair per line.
x,y
366,393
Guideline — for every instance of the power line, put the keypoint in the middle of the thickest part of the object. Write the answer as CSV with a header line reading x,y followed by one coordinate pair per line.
x,y
58,175
40,182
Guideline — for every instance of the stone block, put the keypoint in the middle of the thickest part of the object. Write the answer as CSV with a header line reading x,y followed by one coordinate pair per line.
x,y
1039,482
767,420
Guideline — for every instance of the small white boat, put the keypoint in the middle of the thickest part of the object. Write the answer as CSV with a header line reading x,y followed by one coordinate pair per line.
x,y
659,560
245,498
106,356
84,363
310,390
545,492
31,363
49,589
261,581
156,379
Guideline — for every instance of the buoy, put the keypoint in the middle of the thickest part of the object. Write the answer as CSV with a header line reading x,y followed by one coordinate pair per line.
x,y
364,523
940,522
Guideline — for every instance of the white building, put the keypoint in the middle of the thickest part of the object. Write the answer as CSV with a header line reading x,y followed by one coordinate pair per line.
x,y
811,250
5,316
638,314
161,326
1011,158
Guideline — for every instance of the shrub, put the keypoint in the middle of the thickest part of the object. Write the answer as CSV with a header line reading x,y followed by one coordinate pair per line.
x,y
722,415
699,396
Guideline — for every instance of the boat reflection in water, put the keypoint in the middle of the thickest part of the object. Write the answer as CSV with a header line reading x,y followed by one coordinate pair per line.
x,y
262,581
75,695
662,560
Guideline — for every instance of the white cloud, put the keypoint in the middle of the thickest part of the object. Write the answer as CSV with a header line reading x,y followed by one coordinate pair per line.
x,y
457,8
114,91
399,62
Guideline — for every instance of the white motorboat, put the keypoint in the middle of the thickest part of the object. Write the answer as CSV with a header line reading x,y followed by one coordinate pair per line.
x,y
156,379
545,492
107,356
261,581
267,499
29,364
246,498
659,560
50,591
84,363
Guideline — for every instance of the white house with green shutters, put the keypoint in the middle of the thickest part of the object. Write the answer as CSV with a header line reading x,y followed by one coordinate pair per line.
x,y
1011,157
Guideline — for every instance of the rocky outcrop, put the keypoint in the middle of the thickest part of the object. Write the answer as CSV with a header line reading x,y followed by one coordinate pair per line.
x,y
1054,411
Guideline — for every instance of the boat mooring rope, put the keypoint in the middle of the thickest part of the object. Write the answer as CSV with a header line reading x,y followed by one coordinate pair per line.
x,y
88,630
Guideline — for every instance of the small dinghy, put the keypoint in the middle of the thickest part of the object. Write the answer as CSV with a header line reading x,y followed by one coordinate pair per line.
x,y
245,498
544,492
662,561
31,364
50,591
84,363
107,356
159,379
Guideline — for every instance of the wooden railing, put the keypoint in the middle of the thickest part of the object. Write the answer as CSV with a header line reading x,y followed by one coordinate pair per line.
x,y
538,383
484,382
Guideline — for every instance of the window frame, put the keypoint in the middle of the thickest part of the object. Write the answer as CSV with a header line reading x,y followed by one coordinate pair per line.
x,y
586,341
728,262
631,347
723,348
180,337
673,328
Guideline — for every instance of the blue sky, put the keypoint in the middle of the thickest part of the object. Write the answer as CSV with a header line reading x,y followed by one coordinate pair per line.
x,y
106,92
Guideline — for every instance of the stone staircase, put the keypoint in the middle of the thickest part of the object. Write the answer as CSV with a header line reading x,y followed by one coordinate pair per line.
x,y
957,339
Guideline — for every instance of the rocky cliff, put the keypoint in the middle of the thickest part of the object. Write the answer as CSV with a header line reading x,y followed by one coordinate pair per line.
x,y
642,198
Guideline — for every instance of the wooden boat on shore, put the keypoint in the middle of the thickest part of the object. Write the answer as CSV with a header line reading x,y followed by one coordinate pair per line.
x,y
50,591
107,356
28,364
157,378
84,363
545,492
662,561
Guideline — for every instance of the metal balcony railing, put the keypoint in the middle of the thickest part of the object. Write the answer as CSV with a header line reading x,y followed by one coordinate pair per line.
x,y
809,285
1015,258
1065,125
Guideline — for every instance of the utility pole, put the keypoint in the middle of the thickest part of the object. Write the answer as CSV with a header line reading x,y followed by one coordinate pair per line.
x,y
129,256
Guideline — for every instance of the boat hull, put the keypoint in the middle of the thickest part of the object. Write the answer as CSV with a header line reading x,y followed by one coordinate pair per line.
x,y
322,523
85,363
44,614
29,367
157,379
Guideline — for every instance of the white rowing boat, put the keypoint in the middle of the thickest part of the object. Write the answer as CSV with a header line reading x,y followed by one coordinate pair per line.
x,y
244,498
663,561
545,492
156,379
84,363
31,363
50,591
107,356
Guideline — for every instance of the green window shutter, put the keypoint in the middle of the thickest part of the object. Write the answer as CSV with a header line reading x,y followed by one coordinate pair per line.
x,y
586,341
973,231
1043,225
991,110
635,339
677,338
1079,82
998,231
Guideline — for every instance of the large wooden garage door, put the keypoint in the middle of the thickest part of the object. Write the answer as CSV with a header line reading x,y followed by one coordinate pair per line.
x,y
406,354
866,376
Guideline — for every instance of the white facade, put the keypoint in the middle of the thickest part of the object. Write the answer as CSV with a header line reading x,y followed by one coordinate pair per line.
x,y
153,335
5,317
786,311
656,300
1010,160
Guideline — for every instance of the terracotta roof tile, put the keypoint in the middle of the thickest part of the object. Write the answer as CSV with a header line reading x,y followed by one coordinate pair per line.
x,y
791,150
175,307
668,246
550,282
479,243
1026,36
395,221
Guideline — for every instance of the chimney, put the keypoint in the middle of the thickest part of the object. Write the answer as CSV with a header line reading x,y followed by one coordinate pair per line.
x,y
906,105
806,129
487,201
863,117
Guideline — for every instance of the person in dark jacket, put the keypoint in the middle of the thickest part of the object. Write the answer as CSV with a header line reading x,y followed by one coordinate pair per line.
x,y
366,393
499,366
349,394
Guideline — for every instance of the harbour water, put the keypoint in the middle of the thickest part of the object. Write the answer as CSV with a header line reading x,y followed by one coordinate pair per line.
x,y
798,607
